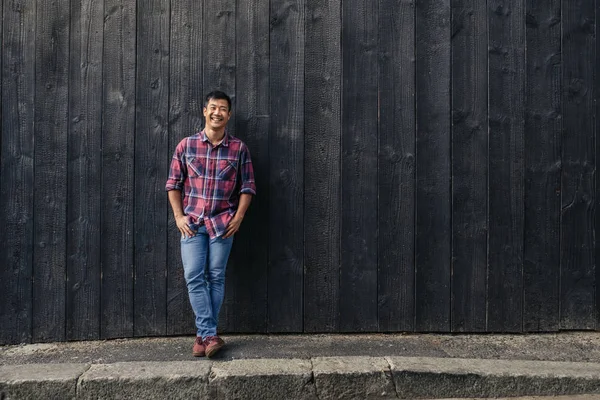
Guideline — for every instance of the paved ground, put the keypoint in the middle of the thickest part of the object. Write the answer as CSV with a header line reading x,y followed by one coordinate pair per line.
x,y
572,346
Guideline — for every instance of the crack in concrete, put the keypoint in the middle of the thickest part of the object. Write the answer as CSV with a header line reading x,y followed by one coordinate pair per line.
x,y
314,379
392,376
78,381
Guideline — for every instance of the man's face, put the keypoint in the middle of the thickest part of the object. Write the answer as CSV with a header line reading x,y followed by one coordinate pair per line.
x,y
217,113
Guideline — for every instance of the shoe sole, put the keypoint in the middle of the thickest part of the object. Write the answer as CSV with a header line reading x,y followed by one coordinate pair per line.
x,y
213,350
199,354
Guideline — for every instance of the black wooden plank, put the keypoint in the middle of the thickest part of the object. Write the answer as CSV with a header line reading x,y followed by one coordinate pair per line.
x,y
50,164
84,175
219,73
16,171
245,307
322,121
469,165
118,127
506,169
597,138
577,259
152,158
185,119
433,195
541,258
219,50
286,155
397,135
358,276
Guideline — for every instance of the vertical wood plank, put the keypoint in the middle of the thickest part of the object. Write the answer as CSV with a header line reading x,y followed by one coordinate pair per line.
x,y
84,175
50,188
469,165
185,119
397,135
577,279
506,166
541,259
118,129
286,155
322,121
219,50
245,306
152,158
433,242
597,138
358,276
219,73
17,170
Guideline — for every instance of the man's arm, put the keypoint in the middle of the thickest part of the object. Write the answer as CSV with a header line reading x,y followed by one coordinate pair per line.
x,y
236,221
180,218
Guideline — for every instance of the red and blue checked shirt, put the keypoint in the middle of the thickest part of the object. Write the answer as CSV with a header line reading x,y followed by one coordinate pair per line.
x,y
211,179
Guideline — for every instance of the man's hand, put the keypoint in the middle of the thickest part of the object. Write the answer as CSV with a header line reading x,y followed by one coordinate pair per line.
x,y
233,226
182,225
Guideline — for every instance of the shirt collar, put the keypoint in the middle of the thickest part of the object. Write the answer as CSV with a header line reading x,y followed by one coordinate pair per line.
x,y
224,143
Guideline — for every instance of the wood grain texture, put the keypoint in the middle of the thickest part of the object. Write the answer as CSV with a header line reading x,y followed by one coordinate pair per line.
x,y
219,63
506,167
358,275
118,132
245,307
219,73
397,136
50,187
577,258
541,259
286,155
17,171
84,174
469,165
152,158
323,131
185,119
433,235
597,175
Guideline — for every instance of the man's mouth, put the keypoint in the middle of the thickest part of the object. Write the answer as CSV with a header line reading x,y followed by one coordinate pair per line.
x,y
216,119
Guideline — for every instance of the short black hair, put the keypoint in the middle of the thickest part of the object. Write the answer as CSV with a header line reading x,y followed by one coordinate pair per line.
x,y
217,95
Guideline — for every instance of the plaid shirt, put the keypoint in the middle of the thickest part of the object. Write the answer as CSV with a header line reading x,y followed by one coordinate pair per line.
x,y
211,179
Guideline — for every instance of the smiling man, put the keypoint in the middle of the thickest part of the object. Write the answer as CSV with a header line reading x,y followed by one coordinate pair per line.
x,y
210,186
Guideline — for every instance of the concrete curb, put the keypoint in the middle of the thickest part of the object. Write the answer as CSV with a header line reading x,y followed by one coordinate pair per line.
x,y
40,381
318,378
420,377
145,380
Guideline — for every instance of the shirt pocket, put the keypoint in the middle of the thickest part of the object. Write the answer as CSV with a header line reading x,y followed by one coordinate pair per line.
x,y
196,167
227,170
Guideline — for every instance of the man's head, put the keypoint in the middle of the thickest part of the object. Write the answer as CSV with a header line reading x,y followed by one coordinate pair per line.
x,y
217,110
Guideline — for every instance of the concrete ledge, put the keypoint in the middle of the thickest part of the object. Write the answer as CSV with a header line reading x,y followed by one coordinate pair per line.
x,y
419,377
318,378
259,379
353,378
40,381
145,380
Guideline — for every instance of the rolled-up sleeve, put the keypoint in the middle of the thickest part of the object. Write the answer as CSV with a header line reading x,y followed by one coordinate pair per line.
x,y
248,185
178,169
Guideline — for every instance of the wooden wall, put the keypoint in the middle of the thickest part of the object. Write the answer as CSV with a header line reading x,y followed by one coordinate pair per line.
x,y
422,165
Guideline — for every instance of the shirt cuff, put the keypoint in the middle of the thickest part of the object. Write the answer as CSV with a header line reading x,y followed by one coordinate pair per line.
x,y
173,186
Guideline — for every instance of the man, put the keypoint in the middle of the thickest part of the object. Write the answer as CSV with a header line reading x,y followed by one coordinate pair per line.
x,y
210,186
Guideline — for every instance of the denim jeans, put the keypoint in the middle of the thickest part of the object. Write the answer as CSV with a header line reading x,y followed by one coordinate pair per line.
x,y
204,262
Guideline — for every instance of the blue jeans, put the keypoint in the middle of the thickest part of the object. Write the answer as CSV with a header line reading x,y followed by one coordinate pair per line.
x,y
204,262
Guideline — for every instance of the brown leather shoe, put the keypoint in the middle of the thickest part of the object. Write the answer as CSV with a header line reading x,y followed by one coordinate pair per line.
x,y
212,344
199,349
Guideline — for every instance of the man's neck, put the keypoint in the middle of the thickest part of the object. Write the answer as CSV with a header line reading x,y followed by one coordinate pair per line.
x,y
215,136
